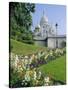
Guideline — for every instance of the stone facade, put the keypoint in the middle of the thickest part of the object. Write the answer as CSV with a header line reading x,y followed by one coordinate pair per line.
x,y
52,41
45,34
41,42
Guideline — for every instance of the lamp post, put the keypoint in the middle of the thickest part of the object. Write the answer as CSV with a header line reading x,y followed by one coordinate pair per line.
x,y
56,25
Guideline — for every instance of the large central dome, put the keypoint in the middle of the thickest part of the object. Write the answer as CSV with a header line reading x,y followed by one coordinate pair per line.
x,y
43,20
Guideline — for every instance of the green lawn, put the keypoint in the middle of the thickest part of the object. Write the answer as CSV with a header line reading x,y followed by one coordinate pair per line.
x,y
56,68
22,48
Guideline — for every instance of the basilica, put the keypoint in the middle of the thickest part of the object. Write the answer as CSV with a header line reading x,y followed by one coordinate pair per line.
x,y
45,34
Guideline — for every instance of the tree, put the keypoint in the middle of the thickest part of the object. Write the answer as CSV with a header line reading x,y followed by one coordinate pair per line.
x,y
63,44
21,20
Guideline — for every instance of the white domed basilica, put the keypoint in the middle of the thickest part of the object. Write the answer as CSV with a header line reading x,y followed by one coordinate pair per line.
x,y
45,34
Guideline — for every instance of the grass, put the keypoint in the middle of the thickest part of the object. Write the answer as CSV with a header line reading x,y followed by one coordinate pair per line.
x,y
56,69
24,49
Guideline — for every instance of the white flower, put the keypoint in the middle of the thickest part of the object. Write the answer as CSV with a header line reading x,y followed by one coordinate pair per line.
x,y
39,76
26,61
16,58
43,53
26,57
46,56
27,76
51,52
46,84
24,66
46,79
23,81
30,61
39,55
32,57
35,75
26,83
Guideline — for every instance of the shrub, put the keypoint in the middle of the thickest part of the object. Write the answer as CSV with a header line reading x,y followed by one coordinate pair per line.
x,y
63,44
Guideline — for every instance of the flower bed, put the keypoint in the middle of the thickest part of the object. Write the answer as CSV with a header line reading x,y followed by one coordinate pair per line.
x,y
24,72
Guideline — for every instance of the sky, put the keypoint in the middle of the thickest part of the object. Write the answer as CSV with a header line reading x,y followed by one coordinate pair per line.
x,y
54,13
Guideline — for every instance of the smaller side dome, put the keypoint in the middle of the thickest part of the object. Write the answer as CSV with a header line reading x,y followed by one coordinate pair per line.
x,y
38,26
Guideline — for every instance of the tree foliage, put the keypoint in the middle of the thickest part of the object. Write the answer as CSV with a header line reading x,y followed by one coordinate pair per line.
x,y
21,21
63,44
